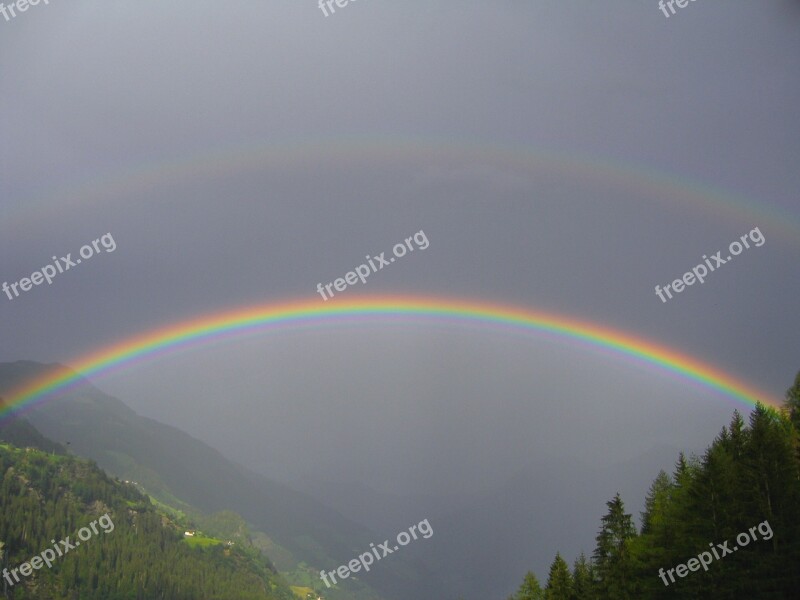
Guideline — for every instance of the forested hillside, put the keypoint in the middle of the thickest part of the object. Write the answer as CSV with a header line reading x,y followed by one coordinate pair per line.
x,y
138,553
296,530
730,519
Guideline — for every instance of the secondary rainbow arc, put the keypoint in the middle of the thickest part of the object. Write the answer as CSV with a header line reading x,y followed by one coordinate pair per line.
x,y
648,182
303,313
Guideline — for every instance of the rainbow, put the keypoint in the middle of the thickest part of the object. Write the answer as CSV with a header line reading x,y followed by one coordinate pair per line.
x,y
644,182
315,314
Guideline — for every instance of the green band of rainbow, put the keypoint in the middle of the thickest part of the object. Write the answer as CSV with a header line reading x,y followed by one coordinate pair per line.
x,y
315,313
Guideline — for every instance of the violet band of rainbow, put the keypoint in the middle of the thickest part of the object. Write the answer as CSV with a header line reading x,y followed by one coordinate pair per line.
x,y
315,314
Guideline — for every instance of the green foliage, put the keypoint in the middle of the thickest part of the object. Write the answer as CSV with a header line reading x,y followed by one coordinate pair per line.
x,y
530,589
583,584
224,524
202,541
49,497
559,581
612,556
793,402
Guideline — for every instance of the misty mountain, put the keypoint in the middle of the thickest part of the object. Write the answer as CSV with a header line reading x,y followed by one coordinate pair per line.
x,y
22,434
183,471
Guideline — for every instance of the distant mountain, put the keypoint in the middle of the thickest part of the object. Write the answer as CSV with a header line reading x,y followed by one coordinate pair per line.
x,y
184,472
22,434
68,531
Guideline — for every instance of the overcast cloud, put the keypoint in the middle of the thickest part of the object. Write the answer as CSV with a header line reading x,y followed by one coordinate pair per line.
x,y
565,156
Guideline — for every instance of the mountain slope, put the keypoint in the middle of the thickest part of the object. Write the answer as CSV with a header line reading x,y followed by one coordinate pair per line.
x,y
113,543
177,468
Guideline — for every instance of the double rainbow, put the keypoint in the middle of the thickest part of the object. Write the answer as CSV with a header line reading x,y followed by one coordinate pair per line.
x,y
316,314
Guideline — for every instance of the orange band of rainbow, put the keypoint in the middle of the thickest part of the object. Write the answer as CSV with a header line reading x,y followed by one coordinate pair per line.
x,y
381,309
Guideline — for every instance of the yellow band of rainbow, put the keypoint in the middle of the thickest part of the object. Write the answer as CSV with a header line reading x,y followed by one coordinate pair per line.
x,y
377,309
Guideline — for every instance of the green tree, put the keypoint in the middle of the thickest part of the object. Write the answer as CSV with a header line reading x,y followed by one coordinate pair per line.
x,y
656,502
530,589
651,549
559,581
612,556
583,583
793,402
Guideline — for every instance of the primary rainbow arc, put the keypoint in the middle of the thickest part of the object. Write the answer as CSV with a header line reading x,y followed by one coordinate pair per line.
x,y
303,313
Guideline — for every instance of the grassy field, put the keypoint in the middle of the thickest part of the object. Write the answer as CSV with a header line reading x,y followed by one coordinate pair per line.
x,y
201,541
301,592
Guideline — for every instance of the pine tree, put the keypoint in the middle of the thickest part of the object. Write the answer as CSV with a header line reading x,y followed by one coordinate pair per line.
x,y
655,504
651,550
793,402
682,509
612,555
583,587
559,581
530,589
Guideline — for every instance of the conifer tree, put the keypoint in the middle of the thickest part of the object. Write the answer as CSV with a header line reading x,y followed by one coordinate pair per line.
x,y
793,402
583,579
530,589
612,556
559,581
655,505
651,550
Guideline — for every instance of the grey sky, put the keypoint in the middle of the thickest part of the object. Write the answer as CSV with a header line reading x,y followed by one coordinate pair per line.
x,y
566,156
